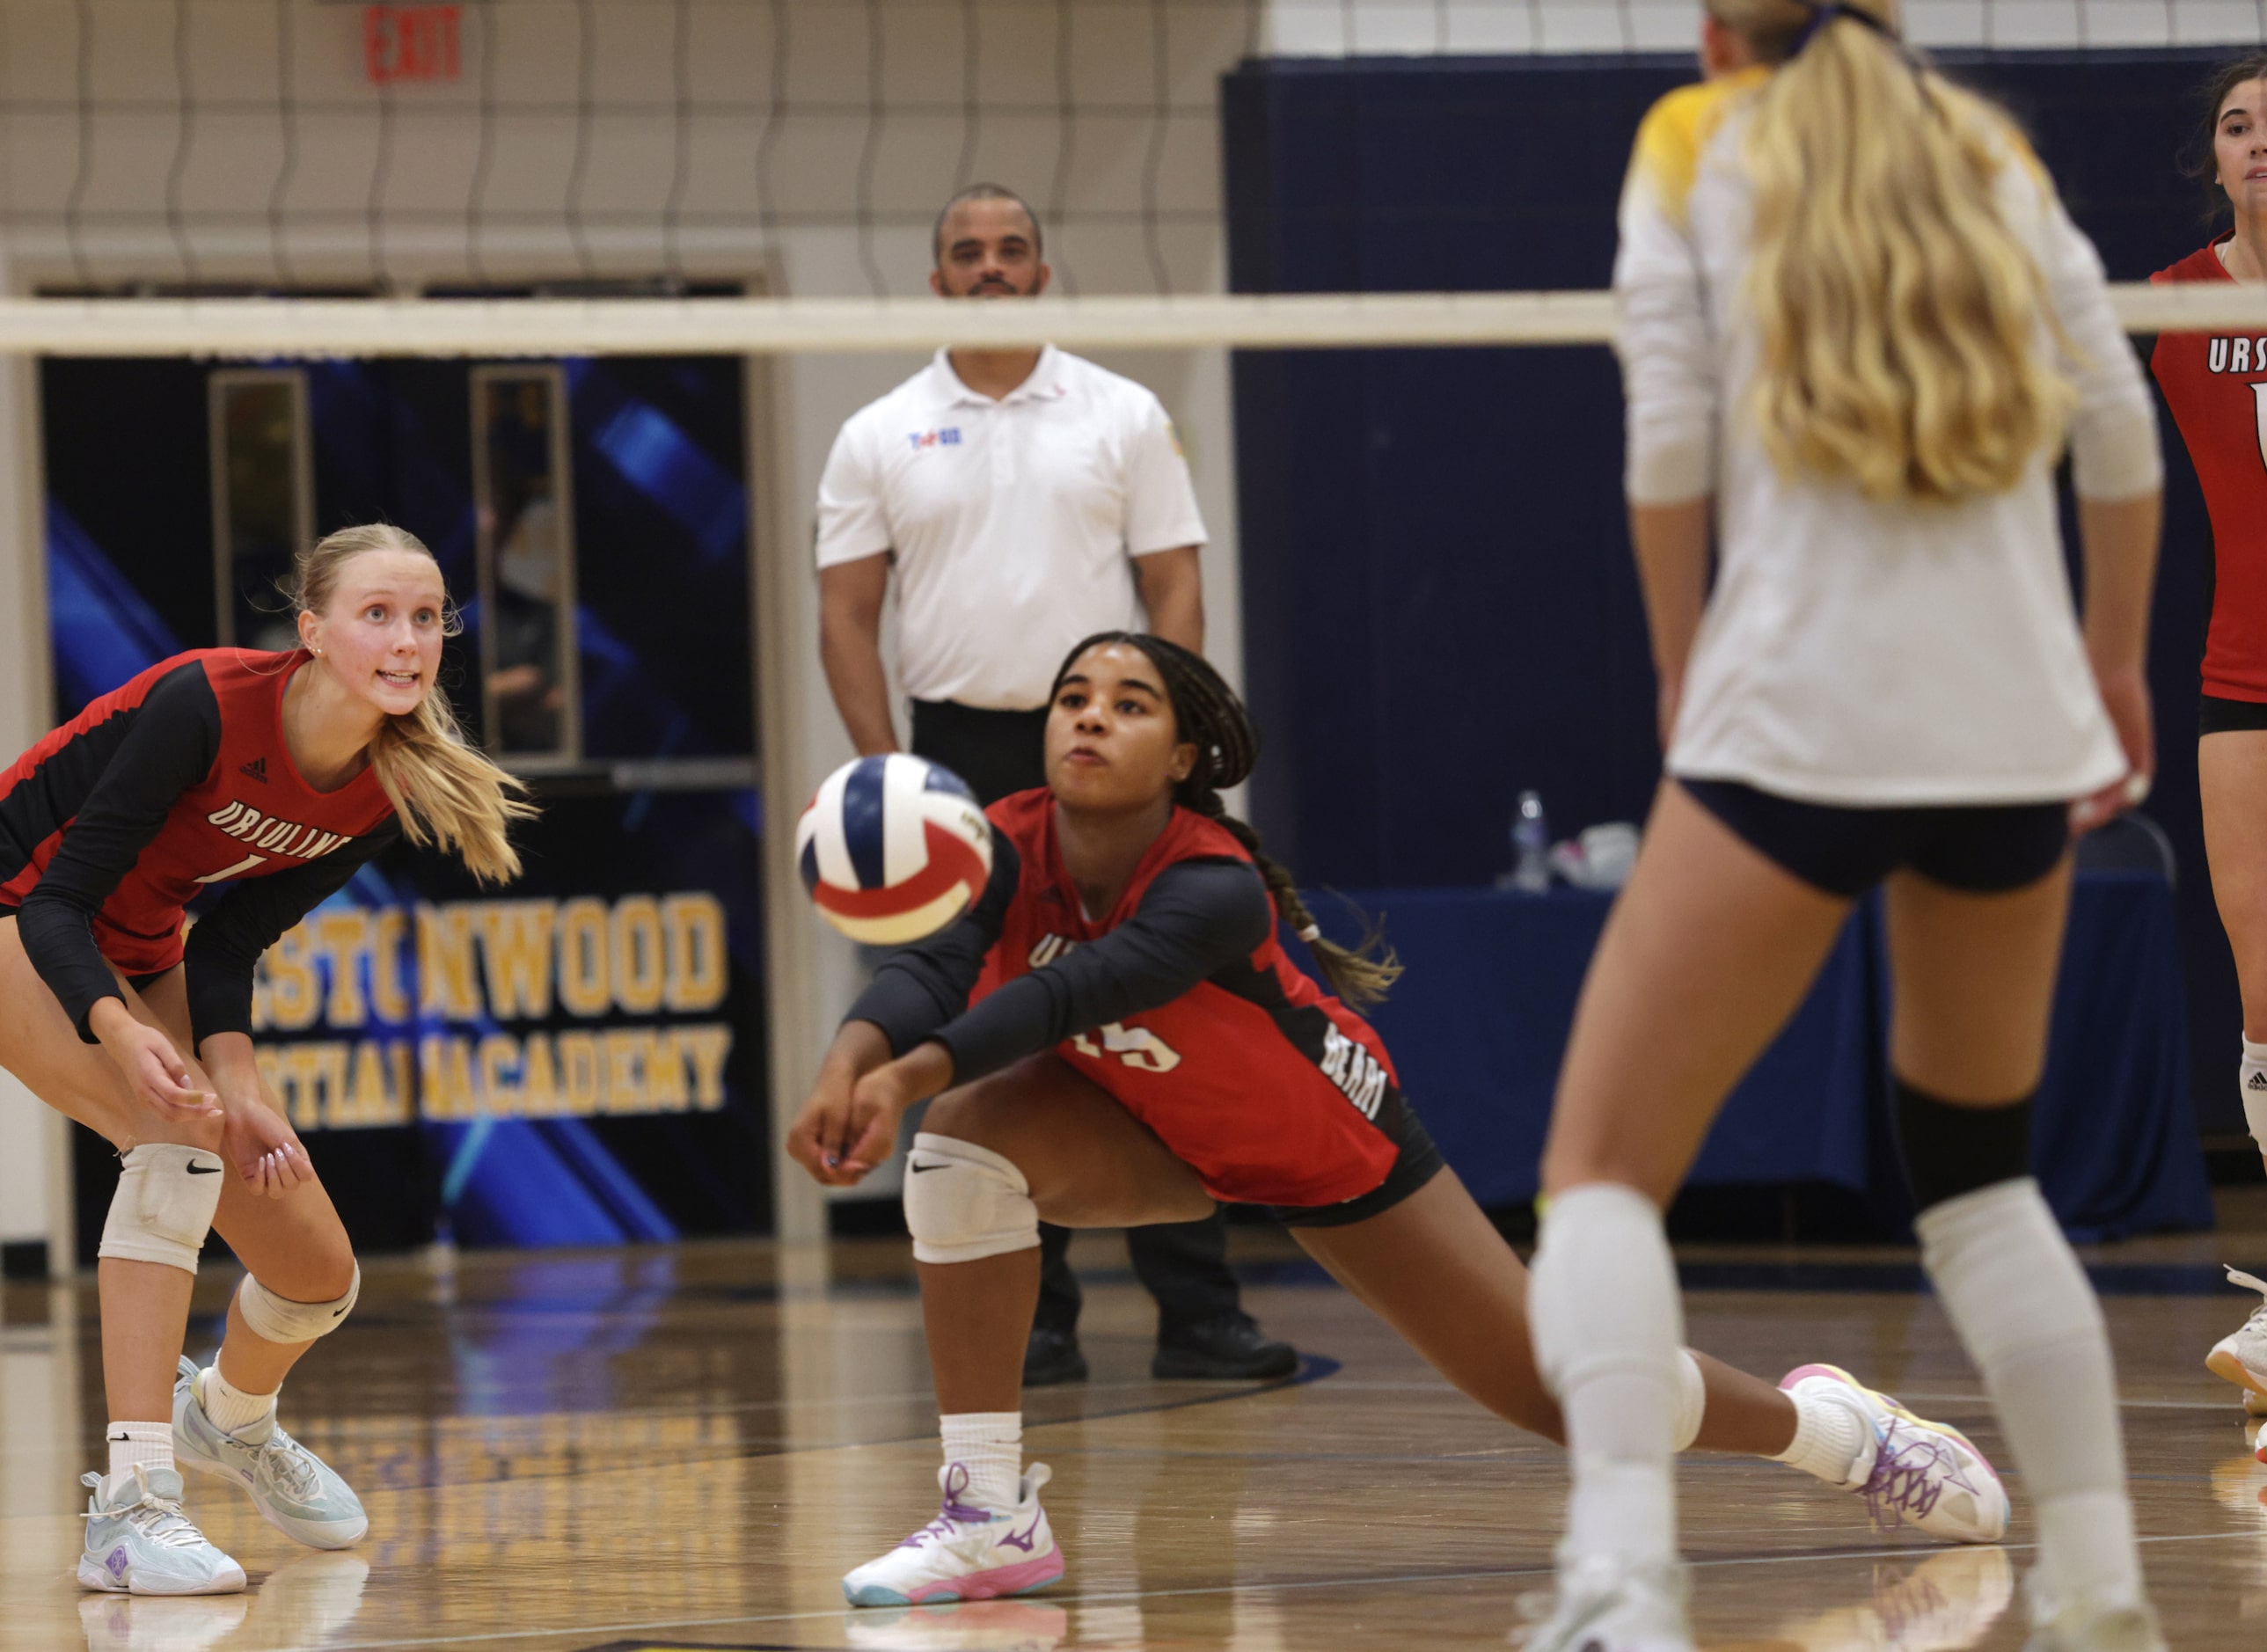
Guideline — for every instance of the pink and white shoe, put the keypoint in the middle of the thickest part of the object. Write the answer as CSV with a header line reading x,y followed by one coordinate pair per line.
x,y
967,1552
1912,1471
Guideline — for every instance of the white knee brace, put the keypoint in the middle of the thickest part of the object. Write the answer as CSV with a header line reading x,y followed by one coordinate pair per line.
x,y
965,1202
163,1206
280,1320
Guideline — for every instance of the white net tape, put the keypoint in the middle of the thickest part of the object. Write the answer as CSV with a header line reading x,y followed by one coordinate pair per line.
x,y
258,328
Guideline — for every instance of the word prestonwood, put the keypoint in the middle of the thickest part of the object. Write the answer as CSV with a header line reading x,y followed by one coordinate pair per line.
x,y
444,995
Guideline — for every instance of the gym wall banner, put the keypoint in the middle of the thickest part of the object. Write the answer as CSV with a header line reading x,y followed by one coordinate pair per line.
x,y
577,1058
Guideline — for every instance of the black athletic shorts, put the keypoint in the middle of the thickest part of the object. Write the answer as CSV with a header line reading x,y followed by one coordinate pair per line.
x,y
1984,848
2215,715
1416,1163
139,983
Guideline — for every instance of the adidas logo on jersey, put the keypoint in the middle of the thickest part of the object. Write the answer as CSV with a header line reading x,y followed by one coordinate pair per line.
x,y
2258,1081
257,768
271,836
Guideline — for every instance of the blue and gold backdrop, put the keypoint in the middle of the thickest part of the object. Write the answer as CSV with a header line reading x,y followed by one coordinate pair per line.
x,y
578,1058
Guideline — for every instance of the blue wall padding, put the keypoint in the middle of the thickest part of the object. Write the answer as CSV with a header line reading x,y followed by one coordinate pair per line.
x,y
1440,606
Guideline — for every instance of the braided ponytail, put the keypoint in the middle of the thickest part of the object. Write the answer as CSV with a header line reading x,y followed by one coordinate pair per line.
x,y
1212,718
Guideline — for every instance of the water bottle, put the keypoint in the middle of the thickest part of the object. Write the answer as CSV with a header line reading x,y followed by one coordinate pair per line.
x,y
1530,846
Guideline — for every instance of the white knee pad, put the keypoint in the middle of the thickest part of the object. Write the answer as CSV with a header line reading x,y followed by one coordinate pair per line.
x,y
280,1320
965,1202
163,1206
1691,1398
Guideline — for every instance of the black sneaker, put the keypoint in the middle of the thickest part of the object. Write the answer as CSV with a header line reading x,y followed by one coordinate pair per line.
x,y
1221,1350
1051,1357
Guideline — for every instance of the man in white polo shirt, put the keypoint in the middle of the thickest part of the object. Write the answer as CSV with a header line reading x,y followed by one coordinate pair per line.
x,y
1022,499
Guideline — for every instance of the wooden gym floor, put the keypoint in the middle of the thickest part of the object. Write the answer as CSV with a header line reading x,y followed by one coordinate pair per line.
x,y
687,1446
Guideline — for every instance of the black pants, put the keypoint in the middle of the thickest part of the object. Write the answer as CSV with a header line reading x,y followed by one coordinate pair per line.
x,y
1184,1265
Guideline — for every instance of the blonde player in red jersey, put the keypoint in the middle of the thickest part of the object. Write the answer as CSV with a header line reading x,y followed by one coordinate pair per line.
x,y
2217,387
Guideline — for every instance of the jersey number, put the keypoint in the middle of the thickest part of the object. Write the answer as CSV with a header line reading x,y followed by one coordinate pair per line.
x,y
241,867
2259,396
1137,1046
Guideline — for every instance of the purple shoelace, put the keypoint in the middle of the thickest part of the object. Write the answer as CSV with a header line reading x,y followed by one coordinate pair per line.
x,y
954,1512
1911,1469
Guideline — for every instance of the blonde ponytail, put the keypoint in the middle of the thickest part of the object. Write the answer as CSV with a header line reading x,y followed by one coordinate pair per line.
x,y
1899,314
446,793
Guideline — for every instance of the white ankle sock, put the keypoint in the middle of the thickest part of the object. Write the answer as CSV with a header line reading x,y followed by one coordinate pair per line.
x,y
150,1444
2028,1316
1827,1440
989,1444
2252,1076
1607,1321
230,1407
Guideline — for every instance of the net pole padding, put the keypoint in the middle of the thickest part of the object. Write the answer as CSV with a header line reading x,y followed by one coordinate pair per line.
x,y
267,328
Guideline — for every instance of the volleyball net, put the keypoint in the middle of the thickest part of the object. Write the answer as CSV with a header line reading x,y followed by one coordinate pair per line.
x,y
267,328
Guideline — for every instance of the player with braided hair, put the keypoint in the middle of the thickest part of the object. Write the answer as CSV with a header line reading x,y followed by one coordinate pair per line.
x,y
1115,1036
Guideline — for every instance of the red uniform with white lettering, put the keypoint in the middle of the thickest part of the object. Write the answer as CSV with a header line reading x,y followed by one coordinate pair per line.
x,y
2217,387
1265,1084
178,781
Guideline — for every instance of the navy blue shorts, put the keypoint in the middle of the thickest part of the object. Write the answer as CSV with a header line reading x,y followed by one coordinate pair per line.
x,y
1984,849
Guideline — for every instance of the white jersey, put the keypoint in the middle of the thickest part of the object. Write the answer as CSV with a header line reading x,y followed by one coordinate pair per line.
x,y
1013,521
1858,652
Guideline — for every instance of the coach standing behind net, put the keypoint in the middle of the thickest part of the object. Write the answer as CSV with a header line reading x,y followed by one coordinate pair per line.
x,y
1026,499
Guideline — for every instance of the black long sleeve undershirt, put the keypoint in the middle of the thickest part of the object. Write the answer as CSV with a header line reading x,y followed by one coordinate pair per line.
x,y
1195,919
173,743
171,747
225,945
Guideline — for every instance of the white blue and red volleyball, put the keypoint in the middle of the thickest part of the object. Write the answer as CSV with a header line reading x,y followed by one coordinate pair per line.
x,y
893,848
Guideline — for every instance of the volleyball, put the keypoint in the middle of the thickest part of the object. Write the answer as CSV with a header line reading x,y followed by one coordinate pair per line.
x,y
893,848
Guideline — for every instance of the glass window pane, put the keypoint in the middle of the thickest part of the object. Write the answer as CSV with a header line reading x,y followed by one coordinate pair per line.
x,y
261,513
526,562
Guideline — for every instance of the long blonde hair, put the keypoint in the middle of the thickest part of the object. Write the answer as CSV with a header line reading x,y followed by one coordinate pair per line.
x,y
1899,313
445,792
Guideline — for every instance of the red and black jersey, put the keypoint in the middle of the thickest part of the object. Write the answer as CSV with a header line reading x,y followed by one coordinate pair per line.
x,y
2217,387
1180,1001
180,780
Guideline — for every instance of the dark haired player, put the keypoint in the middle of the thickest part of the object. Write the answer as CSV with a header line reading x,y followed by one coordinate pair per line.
x,y
2217,387
1115,1037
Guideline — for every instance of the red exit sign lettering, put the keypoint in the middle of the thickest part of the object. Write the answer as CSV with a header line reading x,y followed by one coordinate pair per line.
x,y
410,43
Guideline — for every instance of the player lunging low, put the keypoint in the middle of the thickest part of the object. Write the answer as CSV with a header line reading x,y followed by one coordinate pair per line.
x,y
279,775
1115,1037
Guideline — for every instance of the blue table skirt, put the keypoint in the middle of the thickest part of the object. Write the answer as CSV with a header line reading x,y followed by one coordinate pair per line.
x,y
1478,1024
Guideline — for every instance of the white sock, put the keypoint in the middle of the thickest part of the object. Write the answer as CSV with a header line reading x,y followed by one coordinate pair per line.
x,y
2026,1315
1827,1440
1607,1322
149,1444
230,1407
989,1444
2253,1078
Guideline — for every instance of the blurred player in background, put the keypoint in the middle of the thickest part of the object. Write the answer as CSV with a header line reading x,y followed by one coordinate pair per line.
x,y
2217,388
1856,325
1022,499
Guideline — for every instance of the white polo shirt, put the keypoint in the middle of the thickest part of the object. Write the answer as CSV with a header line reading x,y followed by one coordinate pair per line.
x,y
1014,521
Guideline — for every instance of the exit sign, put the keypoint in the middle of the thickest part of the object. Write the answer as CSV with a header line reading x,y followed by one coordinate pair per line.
x,y
417,42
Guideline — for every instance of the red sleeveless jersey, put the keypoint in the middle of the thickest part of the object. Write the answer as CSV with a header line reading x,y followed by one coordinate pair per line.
x,y
212,760
2217,387
1257,1078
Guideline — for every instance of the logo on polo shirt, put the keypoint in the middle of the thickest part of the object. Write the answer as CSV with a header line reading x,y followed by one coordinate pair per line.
x,y
948,436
